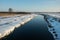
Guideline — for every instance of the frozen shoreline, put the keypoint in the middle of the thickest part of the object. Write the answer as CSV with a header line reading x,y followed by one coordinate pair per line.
x,y
53,22
7,25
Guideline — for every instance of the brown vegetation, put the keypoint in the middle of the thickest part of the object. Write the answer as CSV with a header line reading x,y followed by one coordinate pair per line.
x,y
13,13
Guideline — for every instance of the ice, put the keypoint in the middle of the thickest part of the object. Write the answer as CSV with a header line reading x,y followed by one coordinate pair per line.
x,y
53,21
8,24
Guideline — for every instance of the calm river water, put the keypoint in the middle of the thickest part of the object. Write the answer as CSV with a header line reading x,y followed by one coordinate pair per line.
x,y
36,29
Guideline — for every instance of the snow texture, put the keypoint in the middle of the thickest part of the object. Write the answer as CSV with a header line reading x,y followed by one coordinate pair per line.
x,y
8,24
53,21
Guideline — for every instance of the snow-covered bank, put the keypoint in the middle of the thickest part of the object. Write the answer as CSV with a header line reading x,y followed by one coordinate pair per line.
x,y
8,24
53,22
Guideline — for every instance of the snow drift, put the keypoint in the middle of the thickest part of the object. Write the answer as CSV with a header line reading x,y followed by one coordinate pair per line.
x,y
8,24
53,21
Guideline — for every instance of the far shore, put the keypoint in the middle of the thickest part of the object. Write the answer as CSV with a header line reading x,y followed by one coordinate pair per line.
x,y
4,14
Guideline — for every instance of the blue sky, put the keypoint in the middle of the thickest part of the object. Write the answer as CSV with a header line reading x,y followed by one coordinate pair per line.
x,y
30,5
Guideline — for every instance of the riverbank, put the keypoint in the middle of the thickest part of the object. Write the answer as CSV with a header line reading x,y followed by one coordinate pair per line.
x,y
53,22
8,24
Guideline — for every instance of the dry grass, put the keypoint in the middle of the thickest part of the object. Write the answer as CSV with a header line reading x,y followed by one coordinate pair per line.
x,y
12,14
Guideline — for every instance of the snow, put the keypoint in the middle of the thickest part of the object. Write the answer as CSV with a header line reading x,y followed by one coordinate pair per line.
x,y
53,20
8,24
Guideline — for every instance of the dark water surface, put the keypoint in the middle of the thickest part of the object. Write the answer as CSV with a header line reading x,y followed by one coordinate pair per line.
x,y
36,29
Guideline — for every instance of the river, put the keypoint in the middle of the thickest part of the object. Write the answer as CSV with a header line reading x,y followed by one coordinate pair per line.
x,y
36,29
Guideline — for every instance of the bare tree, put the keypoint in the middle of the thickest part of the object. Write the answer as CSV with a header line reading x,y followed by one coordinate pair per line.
x,y
10,9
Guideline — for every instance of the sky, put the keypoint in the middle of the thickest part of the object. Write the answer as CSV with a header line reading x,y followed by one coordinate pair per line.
x,y
30,5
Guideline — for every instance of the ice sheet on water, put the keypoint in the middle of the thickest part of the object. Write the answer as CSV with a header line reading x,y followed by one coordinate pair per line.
x,y
8,24
54,21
